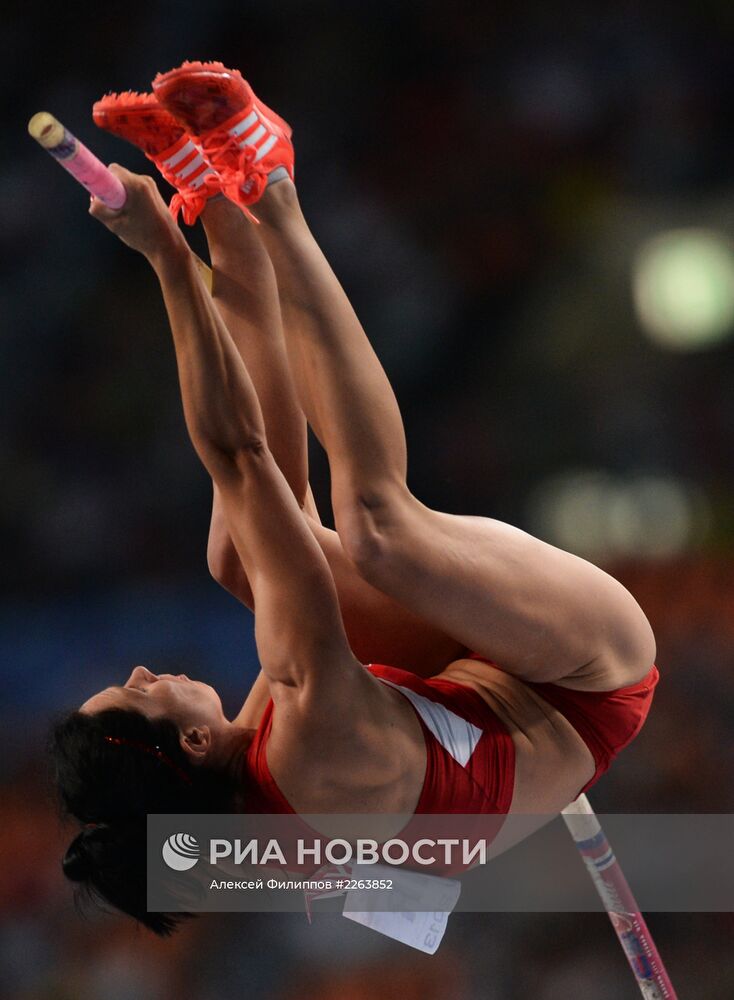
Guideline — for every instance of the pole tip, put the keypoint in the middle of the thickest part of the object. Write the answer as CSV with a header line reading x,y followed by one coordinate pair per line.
x,y
46,129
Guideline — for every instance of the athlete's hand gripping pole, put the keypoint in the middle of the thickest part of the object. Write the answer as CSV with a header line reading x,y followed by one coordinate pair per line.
x,y
84,167
624,913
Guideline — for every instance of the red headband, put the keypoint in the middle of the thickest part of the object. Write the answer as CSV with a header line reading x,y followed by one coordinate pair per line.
x,y
152,751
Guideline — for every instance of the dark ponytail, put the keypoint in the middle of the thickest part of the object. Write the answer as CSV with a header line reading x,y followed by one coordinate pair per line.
x,y
112,769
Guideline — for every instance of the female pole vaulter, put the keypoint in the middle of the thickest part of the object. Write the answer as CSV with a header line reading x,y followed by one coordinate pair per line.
x,y
537,665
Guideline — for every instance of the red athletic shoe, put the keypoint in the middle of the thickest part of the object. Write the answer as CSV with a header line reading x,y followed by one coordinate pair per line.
x,y
141,120
242,138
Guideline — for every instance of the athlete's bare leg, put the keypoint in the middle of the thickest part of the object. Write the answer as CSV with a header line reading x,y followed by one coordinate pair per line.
x,y
246,294
541,613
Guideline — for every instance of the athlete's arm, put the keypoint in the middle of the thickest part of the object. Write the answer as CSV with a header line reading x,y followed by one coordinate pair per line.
x,y
299,632
226,568
222,558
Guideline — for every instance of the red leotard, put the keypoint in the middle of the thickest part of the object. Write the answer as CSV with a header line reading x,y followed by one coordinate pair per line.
x,y
470,755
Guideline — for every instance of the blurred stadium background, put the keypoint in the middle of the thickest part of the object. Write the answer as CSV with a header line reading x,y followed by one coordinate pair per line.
x,y
532,206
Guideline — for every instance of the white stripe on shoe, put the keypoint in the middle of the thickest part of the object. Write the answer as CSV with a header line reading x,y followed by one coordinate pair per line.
x,y
253,137
266,147
244,125
186,150
190,167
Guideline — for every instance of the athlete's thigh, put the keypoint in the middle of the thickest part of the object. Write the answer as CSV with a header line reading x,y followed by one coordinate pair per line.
x,y
539,612
380,629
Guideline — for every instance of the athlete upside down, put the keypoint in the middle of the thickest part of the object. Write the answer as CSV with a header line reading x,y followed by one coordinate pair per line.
x,y
397,583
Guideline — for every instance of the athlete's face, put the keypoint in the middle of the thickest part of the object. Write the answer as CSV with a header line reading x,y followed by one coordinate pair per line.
x,y
189,704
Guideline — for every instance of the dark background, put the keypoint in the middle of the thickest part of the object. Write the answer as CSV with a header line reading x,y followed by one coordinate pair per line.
x,y
484,177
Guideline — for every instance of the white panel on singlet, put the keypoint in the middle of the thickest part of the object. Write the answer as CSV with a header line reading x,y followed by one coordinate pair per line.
x,y
456,735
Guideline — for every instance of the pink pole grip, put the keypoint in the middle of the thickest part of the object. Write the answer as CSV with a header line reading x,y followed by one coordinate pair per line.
x,y
79,161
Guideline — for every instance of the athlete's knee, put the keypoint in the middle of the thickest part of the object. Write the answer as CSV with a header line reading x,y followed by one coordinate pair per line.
x,y
219,559
225,567
370,523
635,648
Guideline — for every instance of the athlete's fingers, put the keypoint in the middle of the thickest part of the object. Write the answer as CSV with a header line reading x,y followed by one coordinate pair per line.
x,y
100,211
135,185
125,175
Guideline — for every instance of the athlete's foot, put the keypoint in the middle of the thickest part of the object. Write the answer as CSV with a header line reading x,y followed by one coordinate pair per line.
x,y
247,144
141,120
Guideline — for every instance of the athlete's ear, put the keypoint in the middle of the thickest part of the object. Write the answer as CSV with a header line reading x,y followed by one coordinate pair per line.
x,y
196,743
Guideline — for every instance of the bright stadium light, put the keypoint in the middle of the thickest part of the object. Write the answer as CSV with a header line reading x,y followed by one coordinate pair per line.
x,y
683,288
598,515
